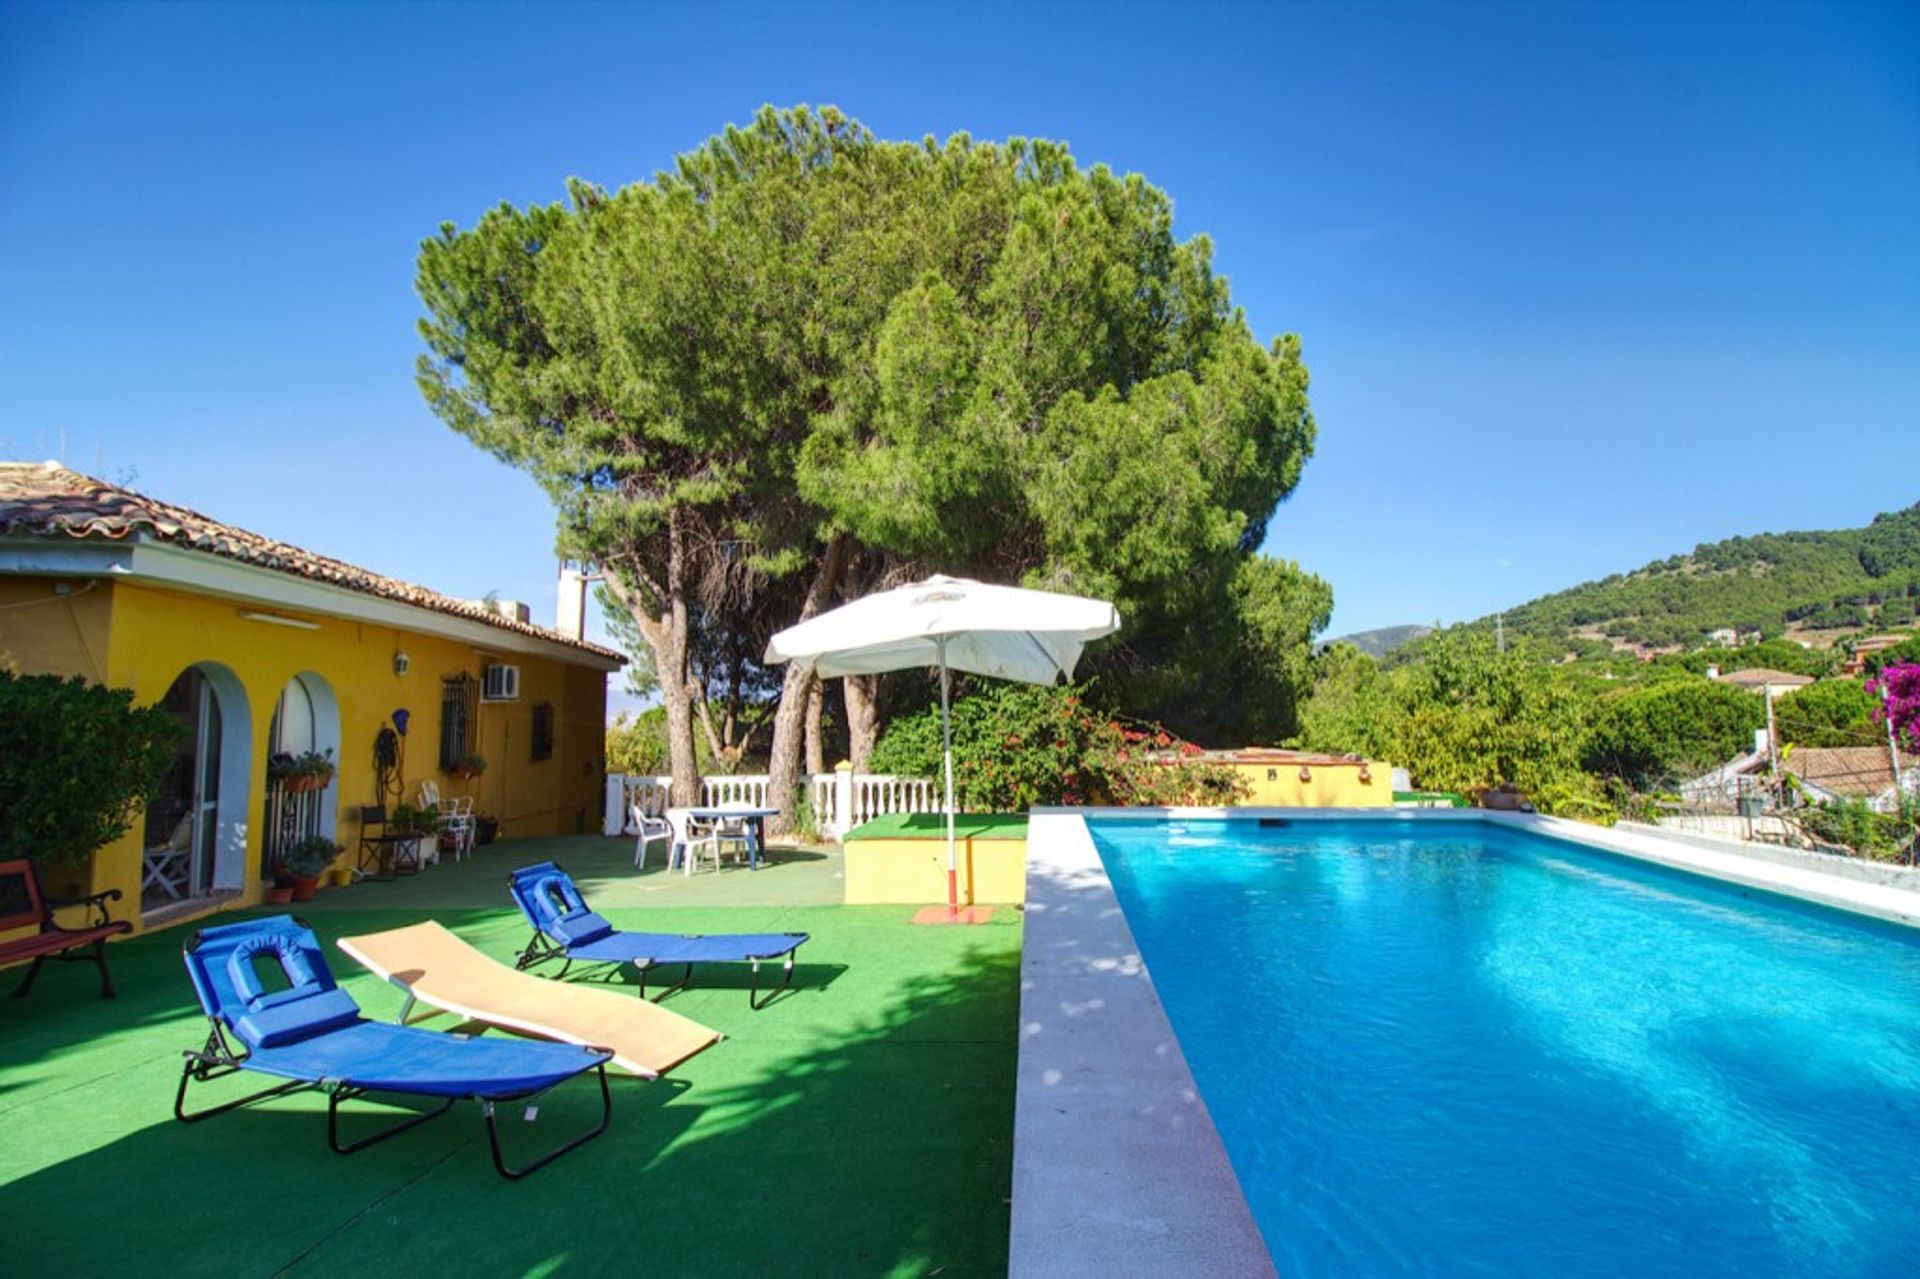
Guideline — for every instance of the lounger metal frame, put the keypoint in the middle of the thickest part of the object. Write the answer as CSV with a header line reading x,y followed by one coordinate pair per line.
x,y
217,1059
540,949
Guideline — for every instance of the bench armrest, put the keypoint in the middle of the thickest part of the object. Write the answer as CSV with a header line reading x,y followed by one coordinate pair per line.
x,y
95,901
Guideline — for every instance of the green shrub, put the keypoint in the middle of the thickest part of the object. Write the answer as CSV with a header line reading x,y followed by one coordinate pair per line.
x,y
1834,712
1852,824
77,761
637,745
1018,745
309,856
1668,731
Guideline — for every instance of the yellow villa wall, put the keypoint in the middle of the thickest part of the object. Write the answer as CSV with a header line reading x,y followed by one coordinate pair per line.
x,y
914,871
150,635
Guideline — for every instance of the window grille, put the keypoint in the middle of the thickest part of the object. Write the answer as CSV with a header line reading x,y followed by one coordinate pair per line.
x,y
543,731
457,697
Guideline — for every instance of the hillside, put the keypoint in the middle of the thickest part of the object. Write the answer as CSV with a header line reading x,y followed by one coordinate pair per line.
x,y
1382,639
1771,582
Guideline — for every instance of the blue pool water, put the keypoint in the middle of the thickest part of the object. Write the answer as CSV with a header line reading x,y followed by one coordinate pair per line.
x,y
1474,1051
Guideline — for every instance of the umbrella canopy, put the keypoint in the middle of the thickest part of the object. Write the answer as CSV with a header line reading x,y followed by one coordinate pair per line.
x,y
1005,632
957,624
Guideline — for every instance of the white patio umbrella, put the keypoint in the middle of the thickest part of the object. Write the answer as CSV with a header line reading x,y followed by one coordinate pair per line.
x,y
956,624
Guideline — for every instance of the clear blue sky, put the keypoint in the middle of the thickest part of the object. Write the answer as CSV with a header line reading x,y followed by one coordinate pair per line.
x,y
1579,285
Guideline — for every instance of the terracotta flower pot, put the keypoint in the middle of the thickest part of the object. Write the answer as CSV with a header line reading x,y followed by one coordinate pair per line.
x,y
278,895
304,887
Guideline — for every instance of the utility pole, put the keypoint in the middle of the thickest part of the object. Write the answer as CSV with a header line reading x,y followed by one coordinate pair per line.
x,y
1893,758
1893,750
1773,750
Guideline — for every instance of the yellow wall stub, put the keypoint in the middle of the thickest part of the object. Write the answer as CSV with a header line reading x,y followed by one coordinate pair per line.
x,y
914,871
1278,784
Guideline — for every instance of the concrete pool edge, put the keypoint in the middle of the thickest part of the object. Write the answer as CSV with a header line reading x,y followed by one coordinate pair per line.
x,y
1117,1167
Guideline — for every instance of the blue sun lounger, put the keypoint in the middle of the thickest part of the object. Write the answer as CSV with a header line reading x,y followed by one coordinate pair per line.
x,y
564,928
311,1034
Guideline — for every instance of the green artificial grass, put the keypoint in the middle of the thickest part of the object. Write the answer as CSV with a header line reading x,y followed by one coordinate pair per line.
x,y
861,1125
934,826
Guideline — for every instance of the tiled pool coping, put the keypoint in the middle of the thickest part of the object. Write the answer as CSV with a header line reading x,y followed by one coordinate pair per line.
x,y
1117,1167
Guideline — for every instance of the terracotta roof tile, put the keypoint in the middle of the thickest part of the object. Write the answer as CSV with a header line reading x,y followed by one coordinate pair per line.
x,y
1756,676
45,499
1844,770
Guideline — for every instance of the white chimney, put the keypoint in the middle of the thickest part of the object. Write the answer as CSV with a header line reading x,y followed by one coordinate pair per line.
x,y
513,610
571,620
1713,672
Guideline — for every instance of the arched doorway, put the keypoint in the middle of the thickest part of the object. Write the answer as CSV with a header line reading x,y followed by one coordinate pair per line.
x,y
306,721
196,827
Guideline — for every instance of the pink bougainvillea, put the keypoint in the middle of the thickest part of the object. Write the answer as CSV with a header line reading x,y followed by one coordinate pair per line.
x,y
1898,688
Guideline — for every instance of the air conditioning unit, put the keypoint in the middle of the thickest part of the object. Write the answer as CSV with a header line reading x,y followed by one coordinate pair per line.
x,y
500,684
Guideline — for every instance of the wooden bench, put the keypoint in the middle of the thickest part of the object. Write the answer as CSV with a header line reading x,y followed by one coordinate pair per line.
x,y
24,905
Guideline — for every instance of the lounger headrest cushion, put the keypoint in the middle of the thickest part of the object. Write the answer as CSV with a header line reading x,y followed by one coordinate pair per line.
x,y
278,946
311,1005
290,1020
564,912
578,930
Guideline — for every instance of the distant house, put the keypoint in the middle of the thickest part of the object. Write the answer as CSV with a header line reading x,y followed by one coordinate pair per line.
x,y
1727,785
1725,637
1825,774
1851,772
264,651
1757,679
1865,648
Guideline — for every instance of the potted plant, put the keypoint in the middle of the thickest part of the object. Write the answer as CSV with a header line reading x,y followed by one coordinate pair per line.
x,y
305,861
280,891
485,828
309,771
280,769
468,767
408,820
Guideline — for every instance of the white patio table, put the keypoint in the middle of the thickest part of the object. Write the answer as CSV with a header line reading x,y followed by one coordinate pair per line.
x,y
756,824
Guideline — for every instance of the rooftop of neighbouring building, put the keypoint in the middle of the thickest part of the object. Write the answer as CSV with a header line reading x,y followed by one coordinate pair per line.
x,y
1761,676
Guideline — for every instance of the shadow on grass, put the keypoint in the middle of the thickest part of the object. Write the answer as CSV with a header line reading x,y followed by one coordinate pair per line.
x,y
879,1144
661,987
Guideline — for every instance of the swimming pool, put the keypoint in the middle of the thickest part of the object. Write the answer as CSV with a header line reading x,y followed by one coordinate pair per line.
x,y
1465,1049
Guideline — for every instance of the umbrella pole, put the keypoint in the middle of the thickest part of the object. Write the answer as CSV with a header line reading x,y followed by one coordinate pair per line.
x,y
946,751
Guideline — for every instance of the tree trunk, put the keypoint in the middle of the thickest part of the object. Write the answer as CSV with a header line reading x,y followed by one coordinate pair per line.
x,y
862,693
789,721
666,635
816,748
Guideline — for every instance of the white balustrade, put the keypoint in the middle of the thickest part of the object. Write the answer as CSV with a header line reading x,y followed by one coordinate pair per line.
x,y
841,800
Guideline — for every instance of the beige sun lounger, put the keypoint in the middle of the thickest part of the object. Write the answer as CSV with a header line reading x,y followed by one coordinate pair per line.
x,y
435,967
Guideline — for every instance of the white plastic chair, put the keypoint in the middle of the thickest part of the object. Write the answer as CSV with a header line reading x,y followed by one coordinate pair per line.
x,y
456,819
650,829
689,837
735,830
